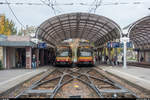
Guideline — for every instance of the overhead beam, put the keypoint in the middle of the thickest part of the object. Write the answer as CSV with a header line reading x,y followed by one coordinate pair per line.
x,y
50,36
62,27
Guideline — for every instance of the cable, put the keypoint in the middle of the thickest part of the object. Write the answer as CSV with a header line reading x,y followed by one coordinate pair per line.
x,y
70,4
91,9
50,4
14,14
96,3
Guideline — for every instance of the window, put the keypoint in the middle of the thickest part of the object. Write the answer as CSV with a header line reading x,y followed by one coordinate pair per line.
x,y
63,54
85,53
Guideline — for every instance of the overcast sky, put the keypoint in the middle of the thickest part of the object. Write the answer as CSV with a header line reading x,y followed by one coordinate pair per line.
x,y
123,14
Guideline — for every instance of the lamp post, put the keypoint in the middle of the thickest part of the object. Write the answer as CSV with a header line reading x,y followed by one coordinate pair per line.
x,y
124,40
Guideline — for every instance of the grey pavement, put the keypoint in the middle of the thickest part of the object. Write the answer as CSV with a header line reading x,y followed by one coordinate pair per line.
x,y
136,75
11,73
12,77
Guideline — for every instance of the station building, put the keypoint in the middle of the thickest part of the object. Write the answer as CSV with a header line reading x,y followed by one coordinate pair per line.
x,y
17,52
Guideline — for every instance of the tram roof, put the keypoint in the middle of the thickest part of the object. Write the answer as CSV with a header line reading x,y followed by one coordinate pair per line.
x,y
139,33
95,28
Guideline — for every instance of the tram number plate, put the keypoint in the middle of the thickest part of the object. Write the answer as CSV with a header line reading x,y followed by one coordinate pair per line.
x,y
85,62
62,62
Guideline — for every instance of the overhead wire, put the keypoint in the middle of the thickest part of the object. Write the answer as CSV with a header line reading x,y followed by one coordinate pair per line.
x,y
48,5
91,9
14,14
97,5
51,4
69,4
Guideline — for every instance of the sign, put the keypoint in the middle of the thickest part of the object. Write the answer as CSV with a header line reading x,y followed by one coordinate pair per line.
x,y
118,45
42,45
34,40
28,54
113,44
129,45
124,39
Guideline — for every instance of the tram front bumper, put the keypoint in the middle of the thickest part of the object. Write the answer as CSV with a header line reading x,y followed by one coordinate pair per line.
x,y
85,62
63,63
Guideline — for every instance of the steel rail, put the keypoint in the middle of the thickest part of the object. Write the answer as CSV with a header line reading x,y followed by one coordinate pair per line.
x,y
43,77
80,72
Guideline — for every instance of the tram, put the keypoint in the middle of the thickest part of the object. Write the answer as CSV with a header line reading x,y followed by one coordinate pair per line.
x,y
85,56
63,56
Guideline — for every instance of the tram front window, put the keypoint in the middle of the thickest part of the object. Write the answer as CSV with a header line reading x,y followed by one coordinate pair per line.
x,y
85,54
63,54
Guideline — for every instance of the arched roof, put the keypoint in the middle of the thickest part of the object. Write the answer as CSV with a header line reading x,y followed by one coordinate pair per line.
x,y
139,33
92,27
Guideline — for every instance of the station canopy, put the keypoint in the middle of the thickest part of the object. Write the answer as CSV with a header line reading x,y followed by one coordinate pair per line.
x,y
95,28
139,33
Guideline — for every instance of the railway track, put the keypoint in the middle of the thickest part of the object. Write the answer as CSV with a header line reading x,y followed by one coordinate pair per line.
x,y
139,64
75,82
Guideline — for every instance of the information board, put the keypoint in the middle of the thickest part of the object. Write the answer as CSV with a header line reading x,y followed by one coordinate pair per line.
x,y
42,45
118,45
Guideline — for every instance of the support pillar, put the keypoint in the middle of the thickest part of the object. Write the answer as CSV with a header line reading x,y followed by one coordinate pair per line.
x,y
97,53
7,58
101,54
138,56
42,57
116,52
104,52
124,40
109,53
37,56
144,56
124,54
28,57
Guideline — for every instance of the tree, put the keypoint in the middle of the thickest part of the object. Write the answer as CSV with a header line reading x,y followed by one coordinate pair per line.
x,y
12,28
7,27
28,30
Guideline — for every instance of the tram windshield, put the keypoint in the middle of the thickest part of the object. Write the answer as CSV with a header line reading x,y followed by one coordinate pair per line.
x,y
63,54
85,53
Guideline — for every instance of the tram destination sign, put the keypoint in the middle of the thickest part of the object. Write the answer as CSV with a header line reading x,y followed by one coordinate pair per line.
x,y
42,45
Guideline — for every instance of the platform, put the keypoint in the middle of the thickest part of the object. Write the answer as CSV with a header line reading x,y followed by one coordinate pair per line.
x,y
12,77
136,75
